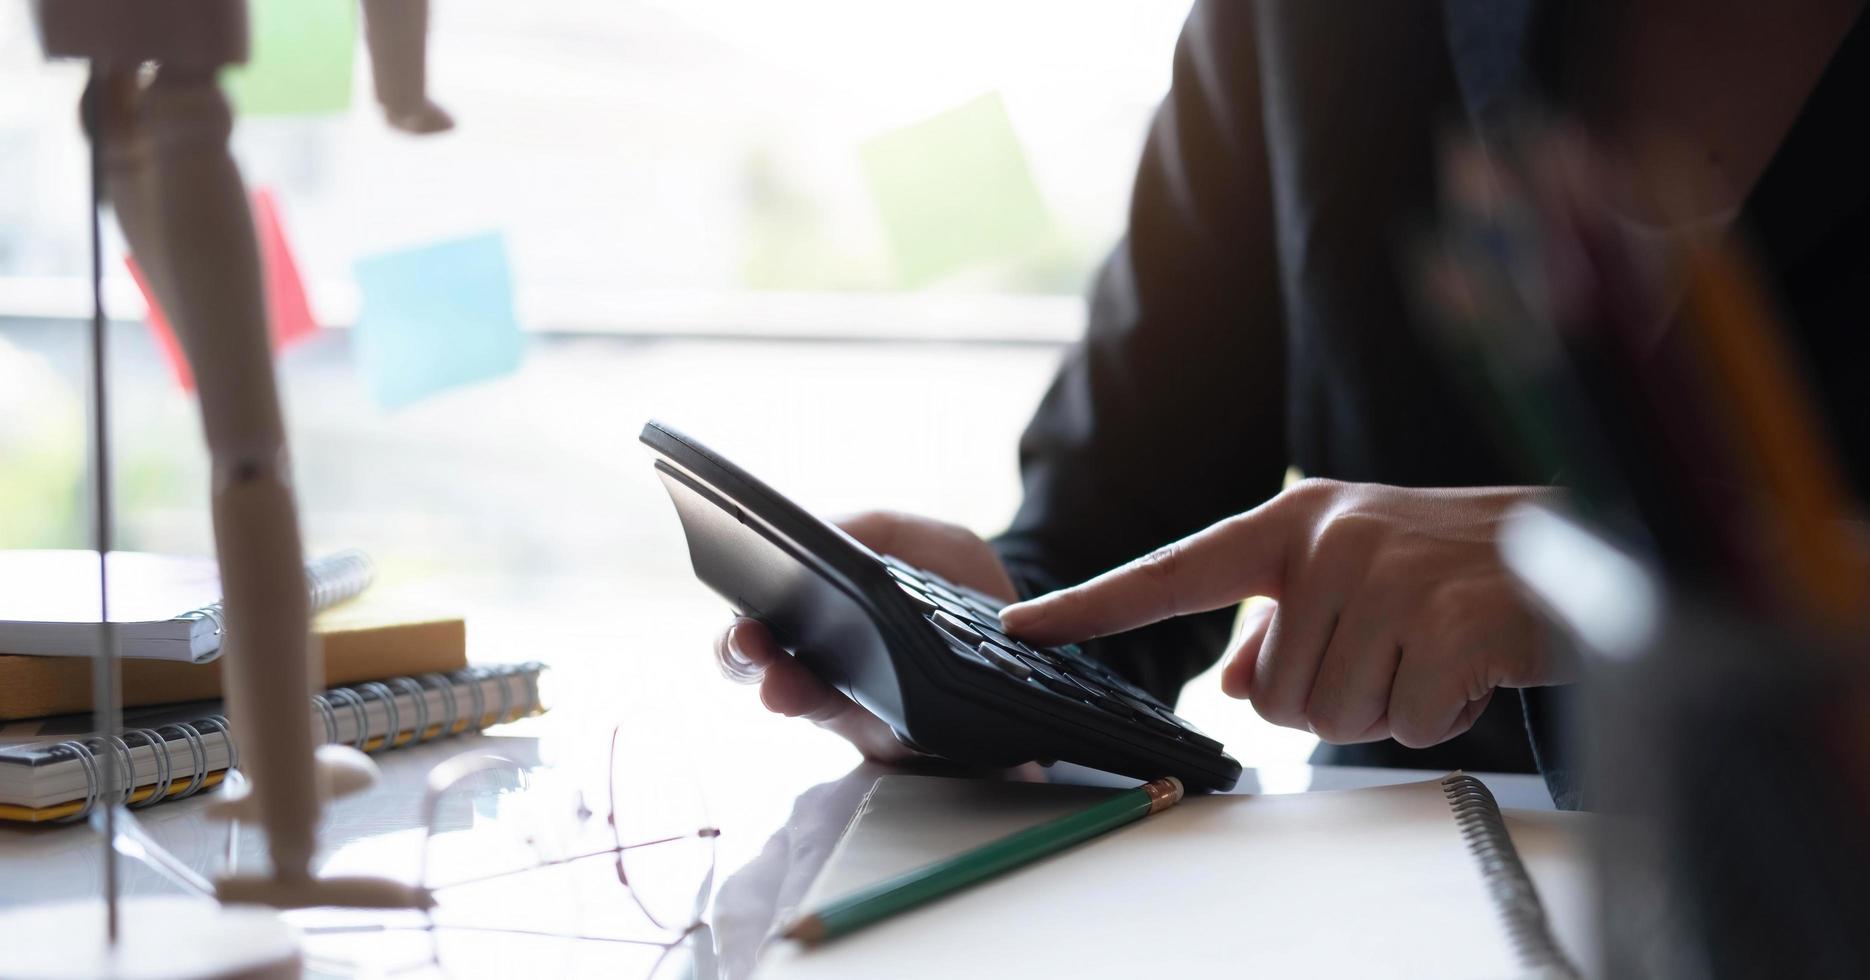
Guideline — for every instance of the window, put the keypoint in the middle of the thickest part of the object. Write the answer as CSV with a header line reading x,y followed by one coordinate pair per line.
x,y
695,197
660,166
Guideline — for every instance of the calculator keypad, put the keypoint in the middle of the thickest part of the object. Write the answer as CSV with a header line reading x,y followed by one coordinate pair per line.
x,y
970,621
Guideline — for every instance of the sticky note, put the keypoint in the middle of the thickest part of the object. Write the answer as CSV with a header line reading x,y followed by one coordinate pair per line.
x,y
435,317
159,329
287,309
299,59
288,312
954,191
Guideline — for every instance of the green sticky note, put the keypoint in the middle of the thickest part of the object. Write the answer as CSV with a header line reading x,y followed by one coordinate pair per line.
x,y
300,58
955,190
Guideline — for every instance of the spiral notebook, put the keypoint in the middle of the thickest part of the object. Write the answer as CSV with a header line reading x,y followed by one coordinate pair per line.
x,y
165,607
1414,880
50,770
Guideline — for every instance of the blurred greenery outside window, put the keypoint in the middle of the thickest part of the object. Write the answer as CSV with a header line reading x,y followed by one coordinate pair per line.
x,y
725,169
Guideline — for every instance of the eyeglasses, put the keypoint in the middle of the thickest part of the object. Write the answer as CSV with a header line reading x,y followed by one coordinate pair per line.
x,y
545,875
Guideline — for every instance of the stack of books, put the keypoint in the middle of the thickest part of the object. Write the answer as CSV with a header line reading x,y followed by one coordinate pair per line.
x,y
394,676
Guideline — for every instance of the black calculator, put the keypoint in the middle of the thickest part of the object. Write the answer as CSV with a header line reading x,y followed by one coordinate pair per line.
x,y
925,655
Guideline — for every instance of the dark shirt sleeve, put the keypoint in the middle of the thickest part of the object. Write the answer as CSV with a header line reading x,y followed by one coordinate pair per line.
x,y
1169,414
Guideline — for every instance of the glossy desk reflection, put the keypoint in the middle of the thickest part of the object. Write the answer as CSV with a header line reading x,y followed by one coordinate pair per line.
x,y
758,883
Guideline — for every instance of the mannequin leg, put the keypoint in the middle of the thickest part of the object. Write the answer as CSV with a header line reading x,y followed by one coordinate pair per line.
x,y
200,234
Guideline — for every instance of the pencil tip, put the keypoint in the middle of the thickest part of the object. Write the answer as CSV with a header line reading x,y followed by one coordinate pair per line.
x,y
807,930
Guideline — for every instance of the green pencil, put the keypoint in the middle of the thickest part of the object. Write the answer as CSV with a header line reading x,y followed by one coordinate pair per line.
x,y
931,881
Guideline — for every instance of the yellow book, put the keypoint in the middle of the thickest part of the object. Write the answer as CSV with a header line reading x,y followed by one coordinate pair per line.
x,y
365,639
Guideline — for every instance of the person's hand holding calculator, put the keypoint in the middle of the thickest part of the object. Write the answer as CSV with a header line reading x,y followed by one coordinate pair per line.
x,y
749,653
886,629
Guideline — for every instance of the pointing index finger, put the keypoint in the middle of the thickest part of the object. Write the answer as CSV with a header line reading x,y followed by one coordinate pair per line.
x,y
1214,567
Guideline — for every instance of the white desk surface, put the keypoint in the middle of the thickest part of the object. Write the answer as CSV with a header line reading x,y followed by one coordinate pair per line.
x,y
757,881
780,791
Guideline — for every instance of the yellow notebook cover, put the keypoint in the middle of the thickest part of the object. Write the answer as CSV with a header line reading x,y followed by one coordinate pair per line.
x,y
365,639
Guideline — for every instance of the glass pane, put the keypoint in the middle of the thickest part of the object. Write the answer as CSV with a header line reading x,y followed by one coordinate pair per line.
x,y
653,164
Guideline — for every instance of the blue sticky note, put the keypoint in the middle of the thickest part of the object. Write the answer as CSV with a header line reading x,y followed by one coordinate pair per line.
x,y
436,317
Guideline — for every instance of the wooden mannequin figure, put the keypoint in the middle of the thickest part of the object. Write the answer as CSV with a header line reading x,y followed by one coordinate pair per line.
x,y
396,32
162,123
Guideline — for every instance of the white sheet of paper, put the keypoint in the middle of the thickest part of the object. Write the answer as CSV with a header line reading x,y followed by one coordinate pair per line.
x,y
1367,882
1555,846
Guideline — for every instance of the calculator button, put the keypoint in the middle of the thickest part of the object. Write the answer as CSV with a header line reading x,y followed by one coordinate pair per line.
x,y
1076,656
1093,683
1156,723
1116,707
993,630
983,613
1058,685
956,628
955,608
1004,660
986,606
1051,679
926,604
1039,666
1087,690
947,596
901,575
936,580
1108,676
1050,659
1136,692
1088,678
1189,731
1141,707
1035,651
898,566
966,652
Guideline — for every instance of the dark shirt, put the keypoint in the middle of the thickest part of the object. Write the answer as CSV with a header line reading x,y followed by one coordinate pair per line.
x,y
1255,316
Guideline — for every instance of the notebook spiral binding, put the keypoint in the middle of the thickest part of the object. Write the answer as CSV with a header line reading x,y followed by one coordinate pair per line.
x,y
354,699
335,578
89,749
328,581
1477,814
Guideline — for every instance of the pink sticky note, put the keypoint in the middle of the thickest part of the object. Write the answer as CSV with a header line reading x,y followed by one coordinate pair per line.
x,y
286,306
288,312
160,329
